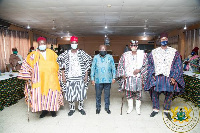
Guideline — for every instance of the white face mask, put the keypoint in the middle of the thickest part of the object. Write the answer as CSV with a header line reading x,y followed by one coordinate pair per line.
x,y
42,47
74,46
133,48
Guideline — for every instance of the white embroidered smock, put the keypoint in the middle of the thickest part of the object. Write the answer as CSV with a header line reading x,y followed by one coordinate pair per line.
x,y
74,65
163,60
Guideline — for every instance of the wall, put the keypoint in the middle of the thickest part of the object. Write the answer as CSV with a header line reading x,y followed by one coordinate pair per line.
x,y
117,43
183,46
31,32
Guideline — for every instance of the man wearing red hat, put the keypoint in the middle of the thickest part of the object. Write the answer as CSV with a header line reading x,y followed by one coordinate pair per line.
x,y
165,75
41,70
74,65
191,63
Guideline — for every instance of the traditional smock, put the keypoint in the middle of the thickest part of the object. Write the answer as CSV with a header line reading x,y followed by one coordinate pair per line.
x,y
75,66
128,63
164,64
42,70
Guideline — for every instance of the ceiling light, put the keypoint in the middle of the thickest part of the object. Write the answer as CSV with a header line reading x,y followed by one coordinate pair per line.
x,y
144,38
105,35
109,5
54,27
185,27
61,37
68,38
28,27
68,34
106,27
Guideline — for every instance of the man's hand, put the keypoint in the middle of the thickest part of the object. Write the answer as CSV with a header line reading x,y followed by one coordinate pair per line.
x,y
136,71
124,77
113,81
85,79
154,78
172,81
93,83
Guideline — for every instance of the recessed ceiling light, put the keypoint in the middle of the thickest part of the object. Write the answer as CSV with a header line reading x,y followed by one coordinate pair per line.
x,y
109,5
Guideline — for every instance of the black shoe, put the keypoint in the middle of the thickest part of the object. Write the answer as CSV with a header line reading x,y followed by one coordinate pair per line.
x,y
108,111
71,112
98,111
53,114
44,113
153,114
167,114
82,112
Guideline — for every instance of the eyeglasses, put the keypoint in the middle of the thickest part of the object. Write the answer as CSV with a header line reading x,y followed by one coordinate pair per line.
x,y
135,45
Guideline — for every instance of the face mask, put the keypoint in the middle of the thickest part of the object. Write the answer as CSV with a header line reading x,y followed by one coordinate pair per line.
x,y
15,52
74,46
192,53
102,53
164,43
133,48
42,47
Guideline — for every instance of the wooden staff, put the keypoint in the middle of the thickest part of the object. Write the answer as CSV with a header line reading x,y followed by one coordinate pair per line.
x,y
29,97
122,101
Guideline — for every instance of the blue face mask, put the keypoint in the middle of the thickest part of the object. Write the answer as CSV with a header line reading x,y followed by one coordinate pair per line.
x,y
192,53
164,43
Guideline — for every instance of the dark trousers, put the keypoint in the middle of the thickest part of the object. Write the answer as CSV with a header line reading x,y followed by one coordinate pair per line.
x,y
167,102
99,87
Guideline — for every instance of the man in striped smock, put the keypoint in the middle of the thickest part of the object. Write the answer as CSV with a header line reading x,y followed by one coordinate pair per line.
x,y
74,65
40,67
132,69
165,75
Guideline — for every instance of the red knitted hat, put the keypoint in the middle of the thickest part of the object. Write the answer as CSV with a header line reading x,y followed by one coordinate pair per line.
x,y
41,38
74,38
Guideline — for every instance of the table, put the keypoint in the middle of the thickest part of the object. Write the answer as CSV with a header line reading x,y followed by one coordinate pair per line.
x,y
192,87
11,89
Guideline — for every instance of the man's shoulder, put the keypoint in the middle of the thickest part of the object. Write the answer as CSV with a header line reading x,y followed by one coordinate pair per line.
x,y
109,56
49,50
82,51
172,49
128,52
156,49
65,53
96,56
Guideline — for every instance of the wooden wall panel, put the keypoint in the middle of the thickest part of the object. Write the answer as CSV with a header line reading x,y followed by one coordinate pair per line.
x,y
117,43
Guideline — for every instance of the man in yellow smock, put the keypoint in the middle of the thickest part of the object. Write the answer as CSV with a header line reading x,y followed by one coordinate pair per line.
x,y
40,67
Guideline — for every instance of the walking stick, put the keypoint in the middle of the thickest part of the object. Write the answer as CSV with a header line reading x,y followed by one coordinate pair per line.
x,y
122,102
29,95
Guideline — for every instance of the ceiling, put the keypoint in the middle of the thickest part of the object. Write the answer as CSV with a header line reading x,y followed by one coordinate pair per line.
x,y
89,17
